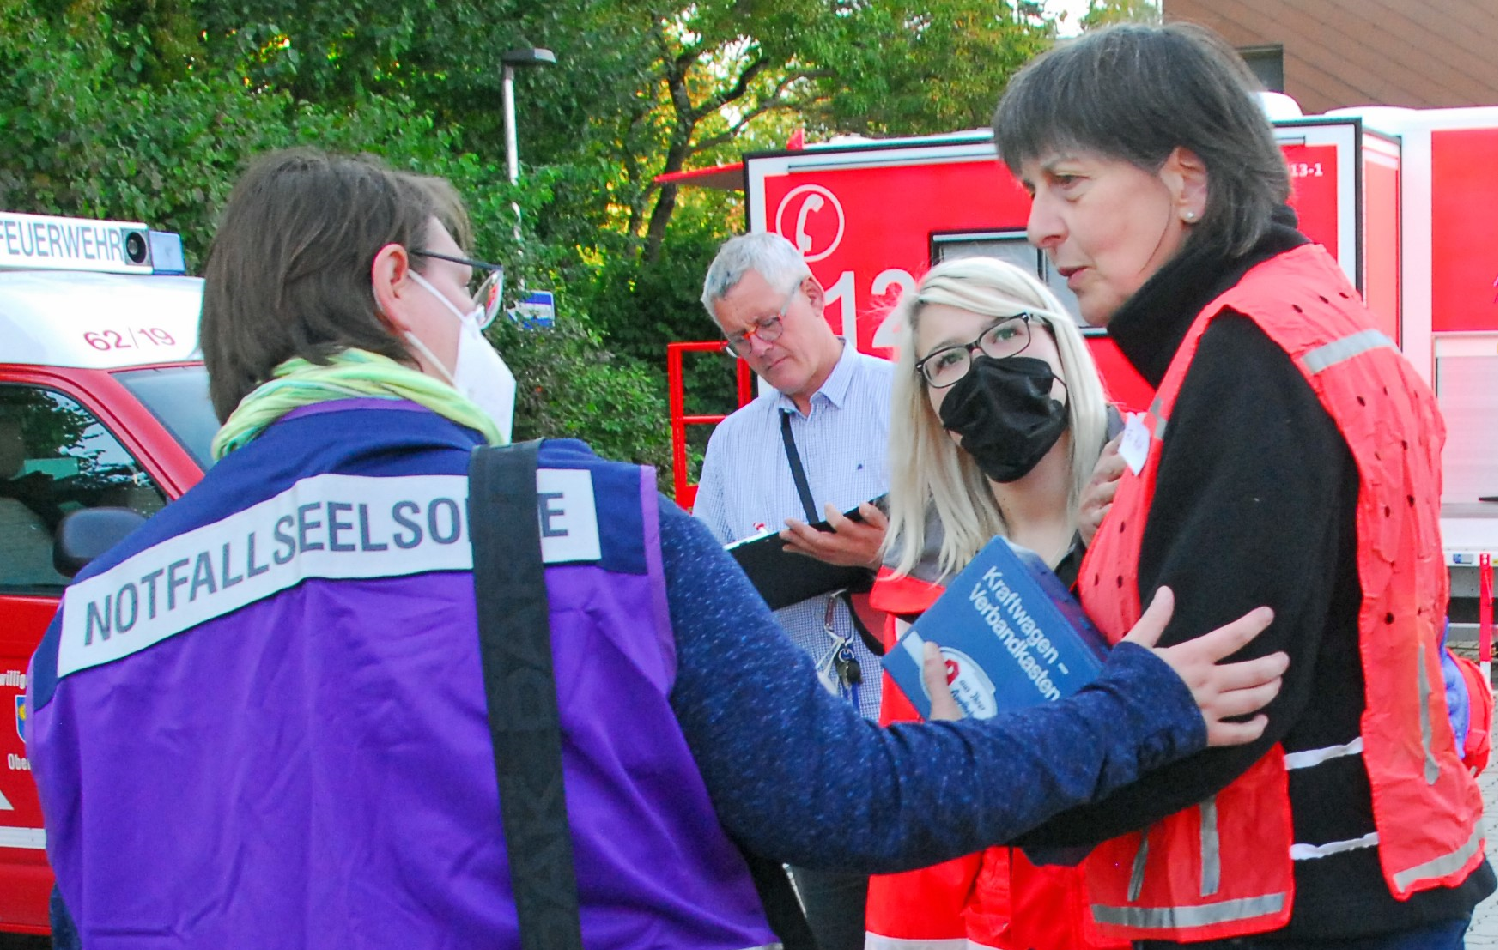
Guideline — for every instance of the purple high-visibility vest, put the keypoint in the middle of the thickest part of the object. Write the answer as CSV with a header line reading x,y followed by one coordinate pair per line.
x,y
260,722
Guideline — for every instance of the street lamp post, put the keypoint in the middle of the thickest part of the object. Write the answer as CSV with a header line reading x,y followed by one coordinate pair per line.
x,y
518,57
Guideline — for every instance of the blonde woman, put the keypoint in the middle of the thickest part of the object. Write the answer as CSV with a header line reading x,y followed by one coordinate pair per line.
x,y
998,422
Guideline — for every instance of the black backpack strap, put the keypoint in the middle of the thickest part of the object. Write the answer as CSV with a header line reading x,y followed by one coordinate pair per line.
x,y
514,623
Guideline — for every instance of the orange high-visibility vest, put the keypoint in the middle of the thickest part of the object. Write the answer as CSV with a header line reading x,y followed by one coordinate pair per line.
x,y
993,899
1223,868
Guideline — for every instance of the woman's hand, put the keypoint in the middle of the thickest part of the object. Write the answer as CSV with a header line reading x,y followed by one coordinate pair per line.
x,y
1222,691
1097,497
934,677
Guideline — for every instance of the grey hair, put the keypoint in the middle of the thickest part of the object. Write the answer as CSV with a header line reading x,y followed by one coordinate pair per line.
x,y
770,255
927,469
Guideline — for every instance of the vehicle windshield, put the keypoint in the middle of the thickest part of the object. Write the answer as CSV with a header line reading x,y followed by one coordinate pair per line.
x,y
178,397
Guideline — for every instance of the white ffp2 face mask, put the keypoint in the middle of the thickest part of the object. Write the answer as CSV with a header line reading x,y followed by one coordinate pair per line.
x,y
480,373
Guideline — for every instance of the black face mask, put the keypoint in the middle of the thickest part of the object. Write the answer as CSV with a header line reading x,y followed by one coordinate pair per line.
x,y
1005,414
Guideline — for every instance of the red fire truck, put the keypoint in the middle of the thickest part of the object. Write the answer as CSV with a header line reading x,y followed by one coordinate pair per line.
x,y
103,405
1403,199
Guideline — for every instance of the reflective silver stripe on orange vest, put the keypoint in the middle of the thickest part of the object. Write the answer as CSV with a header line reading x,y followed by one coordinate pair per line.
x,y
1211,850
1183,918
1330,354
1422,677
873,941
1442,866
1315,361
1136,877
1310,757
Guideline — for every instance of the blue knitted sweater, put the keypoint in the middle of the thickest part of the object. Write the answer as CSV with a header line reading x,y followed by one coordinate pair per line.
x,y
796,774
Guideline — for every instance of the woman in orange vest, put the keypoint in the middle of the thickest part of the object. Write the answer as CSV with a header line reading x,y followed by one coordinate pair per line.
x,y
998,421
1291,457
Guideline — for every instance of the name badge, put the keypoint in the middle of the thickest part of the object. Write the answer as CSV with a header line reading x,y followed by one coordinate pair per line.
x,y
1134,448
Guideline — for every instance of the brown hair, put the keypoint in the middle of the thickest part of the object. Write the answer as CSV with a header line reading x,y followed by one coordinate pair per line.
x,y
289,270
1136,93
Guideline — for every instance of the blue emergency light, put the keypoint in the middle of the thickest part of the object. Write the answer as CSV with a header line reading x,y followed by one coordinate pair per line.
x,y
166,253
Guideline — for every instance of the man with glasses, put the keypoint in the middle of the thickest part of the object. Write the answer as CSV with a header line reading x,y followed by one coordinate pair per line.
x,y
825,412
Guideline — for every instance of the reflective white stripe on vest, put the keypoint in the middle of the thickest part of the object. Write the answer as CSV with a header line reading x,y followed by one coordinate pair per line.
x,y
1157,410
1309,852
1442,866
324,527
28,839
1422,678
1185,918
1211,850
873,941
1337,351
1310,757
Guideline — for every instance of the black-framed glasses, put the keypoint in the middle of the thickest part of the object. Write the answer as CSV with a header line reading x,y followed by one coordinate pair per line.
x,y
1008,337
766,331
486,286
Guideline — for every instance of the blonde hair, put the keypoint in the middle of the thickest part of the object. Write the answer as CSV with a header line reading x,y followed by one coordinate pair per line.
x,y
927,469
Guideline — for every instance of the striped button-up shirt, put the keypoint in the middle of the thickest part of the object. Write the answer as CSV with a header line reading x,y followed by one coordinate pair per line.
x,y
747,486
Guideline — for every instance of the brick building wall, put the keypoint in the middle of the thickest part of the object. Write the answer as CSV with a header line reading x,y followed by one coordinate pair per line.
x,y
1418,53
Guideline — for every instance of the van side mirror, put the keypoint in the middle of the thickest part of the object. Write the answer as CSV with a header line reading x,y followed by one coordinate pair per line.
x,y
86,534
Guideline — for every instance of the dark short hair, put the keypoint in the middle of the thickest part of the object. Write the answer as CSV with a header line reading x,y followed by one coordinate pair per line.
x,y
1136,93
288,273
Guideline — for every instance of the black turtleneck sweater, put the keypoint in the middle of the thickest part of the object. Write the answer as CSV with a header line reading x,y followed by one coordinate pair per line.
x,y
1255,503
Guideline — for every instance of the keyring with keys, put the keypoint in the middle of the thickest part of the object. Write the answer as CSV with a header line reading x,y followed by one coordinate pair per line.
x,y
838,668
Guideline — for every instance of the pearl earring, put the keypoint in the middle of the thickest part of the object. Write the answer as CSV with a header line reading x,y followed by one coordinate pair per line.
x,y
1189,216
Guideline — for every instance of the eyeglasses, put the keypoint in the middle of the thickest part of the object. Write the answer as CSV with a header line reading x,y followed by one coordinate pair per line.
x,y
766,331
944,366
486,286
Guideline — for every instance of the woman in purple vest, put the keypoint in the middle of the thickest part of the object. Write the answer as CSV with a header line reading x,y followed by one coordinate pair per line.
x,y
260,720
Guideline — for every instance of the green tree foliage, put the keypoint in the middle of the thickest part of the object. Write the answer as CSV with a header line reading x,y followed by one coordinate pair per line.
x,y
904,67
570,386
1103,12
148,109
726,77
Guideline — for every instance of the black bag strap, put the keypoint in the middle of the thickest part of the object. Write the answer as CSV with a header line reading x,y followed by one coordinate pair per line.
x,y
520,688
782,907
803,488
798,471
514,622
